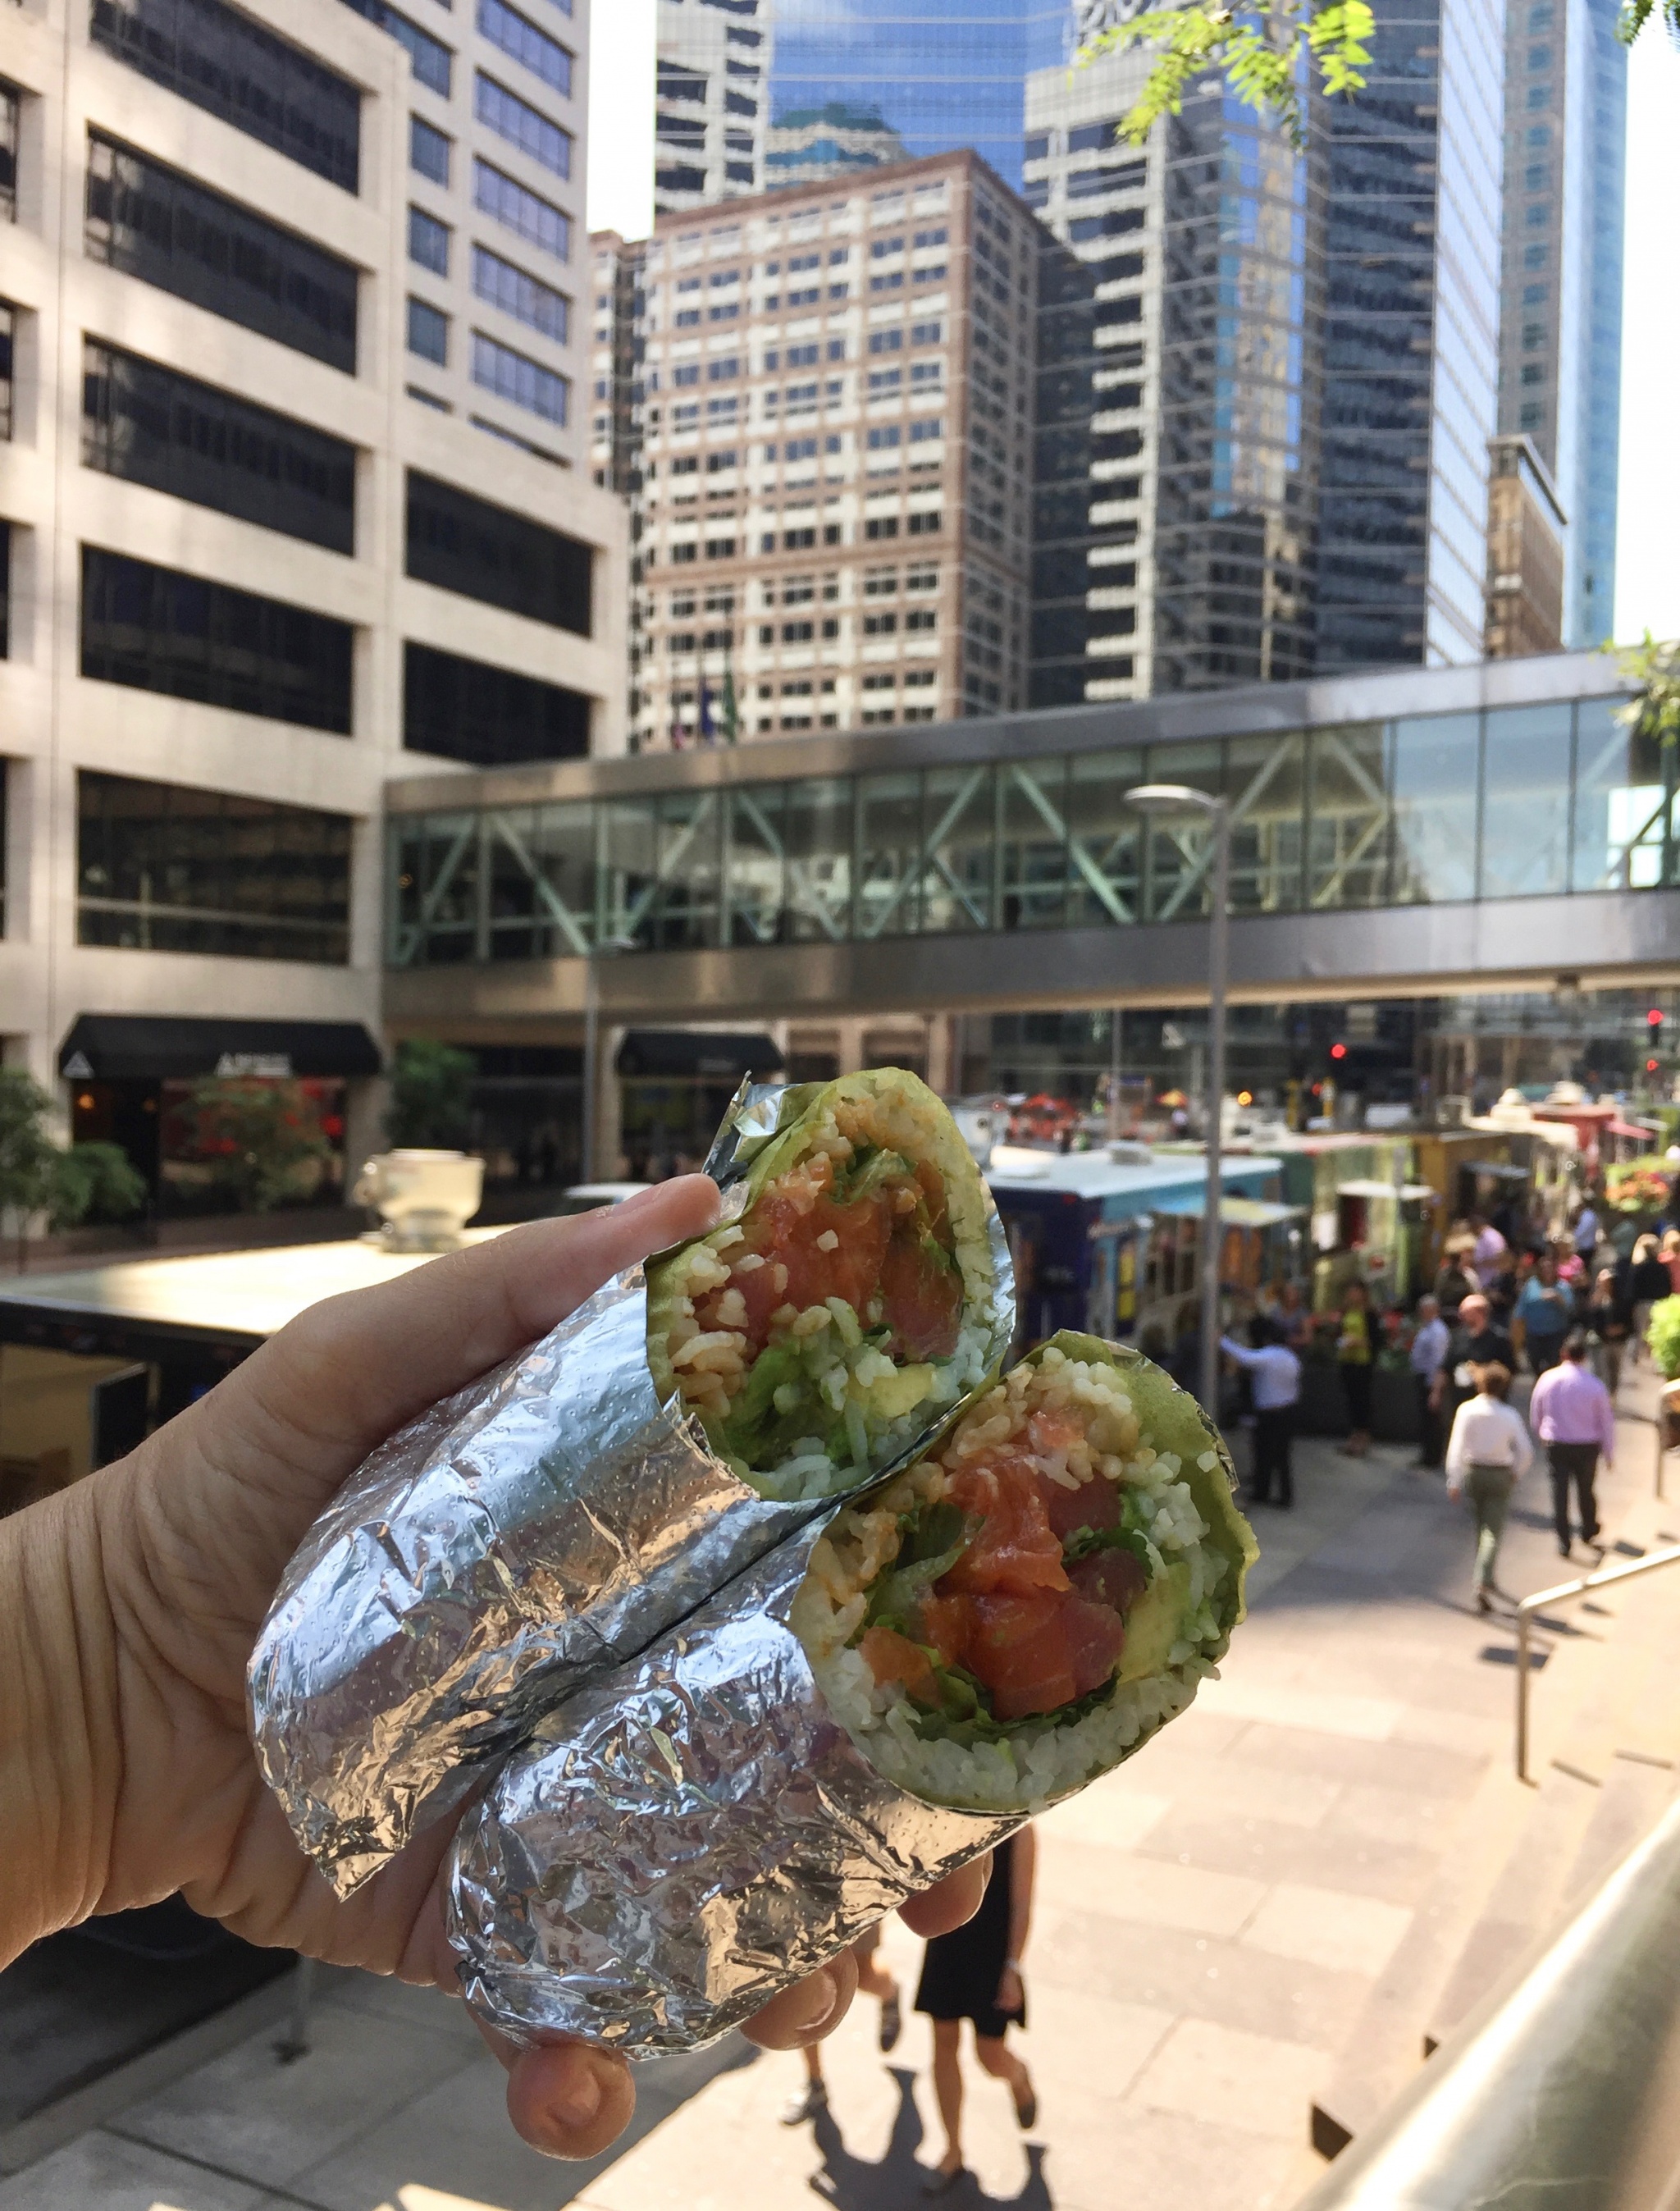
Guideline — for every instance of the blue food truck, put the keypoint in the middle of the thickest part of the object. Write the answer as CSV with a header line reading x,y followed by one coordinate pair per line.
x,y
1111,1244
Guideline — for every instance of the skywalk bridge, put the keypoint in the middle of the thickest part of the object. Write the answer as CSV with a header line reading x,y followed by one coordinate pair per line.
x,y
1407,832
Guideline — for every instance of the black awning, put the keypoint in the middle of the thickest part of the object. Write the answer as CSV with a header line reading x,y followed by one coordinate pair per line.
x,y
697,1055
164,1047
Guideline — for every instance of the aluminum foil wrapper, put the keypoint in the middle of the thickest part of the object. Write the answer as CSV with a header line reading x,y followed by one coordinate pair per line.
x,y
689,1835
546,1522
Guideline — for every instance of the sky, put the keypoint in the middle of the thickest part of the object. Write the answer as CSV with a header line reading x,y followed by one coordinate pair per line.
x,y
1648,590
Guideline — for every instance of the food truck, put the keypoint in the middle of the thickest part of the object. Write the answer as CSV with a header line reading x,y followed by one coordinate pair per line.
x,y
1112,1244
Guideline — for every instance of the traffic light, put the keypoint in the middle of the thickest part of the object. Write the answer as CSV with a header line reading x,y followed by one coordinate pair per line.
x,y
1338,1051
1654,1035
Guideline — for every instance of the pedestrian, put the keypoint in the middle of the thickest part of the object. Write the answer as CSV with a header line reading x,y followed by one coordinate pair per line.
x,y
1429,1348
1547,1313
1473,1341
1488,1454
1488,1245
1354,1352
1586,1233
1572,1414
128,1604
1650,1282
1454,1283
1274,1372
1669,1252
974,1973
1609,1319
874,1981
1288,1312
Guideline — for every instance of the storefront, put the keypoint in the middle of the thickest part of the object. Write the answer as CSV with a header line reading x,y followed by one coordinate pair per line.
x,y
675,1086
173,1091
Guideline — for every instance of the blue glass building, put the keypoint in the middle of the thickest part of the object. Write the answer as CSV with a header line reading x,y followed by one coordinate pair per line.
x,y
934,75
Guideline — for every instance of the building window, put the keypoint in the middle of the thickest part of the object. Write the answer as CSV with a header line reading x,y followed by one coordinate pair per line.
x,y
501,285
428,241
516,120
157,629
5,645
151,425
8,113
515,377
488,553
163,869
428,150
7,327
531,217
428,332
515,34
152,222
238,69
431,60
465,710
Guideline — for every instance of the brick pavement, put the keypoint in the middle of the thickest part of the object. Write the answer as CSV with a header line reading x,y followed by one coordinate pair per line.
x,y
1212,1920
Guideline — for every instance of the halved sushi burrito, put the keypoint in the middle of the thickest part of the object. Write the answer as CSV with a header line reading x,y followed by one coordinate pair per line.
x,y
874,1704
556,1516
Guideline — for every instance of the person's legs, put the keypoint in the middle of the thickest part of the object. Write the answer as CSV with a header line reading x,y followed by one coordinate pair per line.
x,y
1577,1464
1285,1417
814,2096
875,1981
998,2059
1430,1445
1558,1462
948,2090
1265,1457
1490,1493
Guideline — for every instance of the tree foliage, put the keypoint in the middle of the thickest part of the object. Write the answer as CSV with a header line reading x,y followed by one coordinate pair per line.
x,y
431,1097
37,1176
1637,13
1655,667
262,1142
1266,59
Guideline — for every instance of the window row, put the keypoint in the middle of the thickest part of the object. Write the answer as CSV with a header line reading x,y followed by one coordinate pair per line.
x,y
1519,802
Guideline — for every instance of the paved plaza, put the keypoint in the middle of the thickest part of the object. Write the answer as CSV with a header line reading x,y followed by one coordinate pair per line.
x,y
1213,1922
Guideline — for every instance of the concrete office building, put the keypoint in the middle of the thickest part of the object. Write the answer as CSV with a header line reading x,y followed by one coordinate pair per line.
x,y
836,448
1560,366
1187,560
286,506
712,99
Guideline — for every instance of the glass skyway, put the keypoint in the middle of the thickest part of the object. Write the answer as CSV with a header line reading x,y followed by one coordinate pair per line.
x,y
1555,799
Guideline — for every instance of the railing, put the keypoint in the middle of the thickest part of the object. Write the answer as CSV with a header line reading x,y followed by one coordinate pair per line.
x,y
1565,1591
1558,2089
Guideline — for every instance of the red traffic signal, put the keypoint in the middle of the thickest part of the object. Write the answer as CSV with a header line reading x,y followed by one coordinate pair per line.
x,y
1651,1066
1654,1018
1338,1051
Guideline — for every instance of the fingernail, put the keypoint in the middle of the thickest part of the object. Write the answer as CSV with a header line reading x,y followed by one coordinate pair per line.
x,y
579,2102
819,1995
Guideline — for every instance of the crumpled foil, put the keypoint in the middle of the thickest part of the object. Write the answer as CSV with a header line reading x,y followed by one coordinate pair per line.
x,y
685,1836
546,1522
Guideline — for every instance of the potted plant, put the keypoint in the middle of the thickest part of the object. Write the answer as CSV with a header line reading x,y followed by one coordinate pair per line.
x,y
39,1177
1664,1337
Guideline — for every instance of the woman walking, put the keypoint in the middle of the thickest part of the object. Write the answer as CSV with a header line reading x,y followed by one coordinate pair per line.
x,y
974,1973
1649,1282
1354,1351
1609,1319
1547,1312
1488,1454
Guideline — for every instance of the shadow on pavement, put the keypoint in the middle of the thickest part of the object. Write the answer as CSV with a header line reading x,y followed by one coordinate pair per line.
x,y
894,2183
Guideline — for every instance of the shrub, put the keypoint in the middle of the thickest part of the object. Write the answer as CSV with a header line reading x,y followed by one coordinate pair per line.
x,y
262,1142
431,1097
1664,1337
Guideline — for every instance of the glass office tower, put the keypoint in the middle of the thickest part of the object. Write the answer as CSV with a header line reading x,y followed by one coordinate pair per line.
x,y
940,75
1561,338
1411,176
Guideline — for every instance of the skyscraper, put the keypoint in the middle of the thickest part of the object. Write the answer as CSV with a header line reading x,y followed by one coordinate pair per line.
x,y
712,100
1411,172
1560,368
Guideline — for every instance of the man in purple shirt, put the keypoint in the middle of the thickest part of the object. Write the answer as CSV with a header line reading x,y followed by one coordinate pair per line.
x,y
1571,1413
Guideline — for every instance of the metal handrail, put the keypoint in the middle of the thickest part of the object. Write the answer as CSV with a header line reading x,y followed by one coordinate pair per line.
x,y
1530,1605
1559,2087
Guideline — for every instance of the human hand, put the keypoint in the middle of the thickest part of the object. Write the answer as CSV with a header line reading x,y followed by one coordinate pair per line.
x,y
1012,1991
129,1603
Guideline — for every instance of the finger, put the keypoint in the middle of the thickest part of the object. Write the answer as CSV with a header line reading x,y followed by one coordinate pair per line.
x,y
810,2009
952,1904
362,1364
564,2099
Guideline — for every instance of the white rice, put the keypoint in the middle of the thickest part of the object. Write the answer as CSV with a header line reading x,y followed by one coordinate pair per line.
x,y
1036,1763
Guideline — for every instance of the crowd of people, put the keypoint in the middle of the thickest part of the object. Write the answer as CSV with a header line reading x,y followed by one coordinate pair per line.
x,y
1571,1311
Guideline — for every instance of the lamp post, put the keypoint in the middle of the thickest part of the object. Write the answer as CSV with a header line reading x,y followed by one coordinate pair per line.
x,y
1156,798
605,949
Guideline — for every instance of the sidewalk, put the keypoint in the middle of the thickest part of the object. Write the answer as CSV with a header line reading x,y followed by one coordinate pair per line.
x,y
1212,1921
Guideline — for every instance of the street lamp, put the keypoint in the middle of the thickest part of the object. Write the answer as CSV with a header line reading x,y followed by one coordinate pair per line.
x,y
1179,798
605,949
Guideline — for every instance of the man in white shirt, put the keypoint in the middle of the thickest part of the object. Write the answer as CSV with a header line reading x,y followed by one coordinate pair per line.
x,y
1276,1372
1429,1348
1488,1454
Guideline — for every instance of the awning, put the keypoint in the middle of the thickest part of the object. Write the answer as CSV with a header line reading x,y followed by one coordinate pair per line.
x,y
1499,1167
159,1047
1234,1212
697,1054
1626,1128
1418,1193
